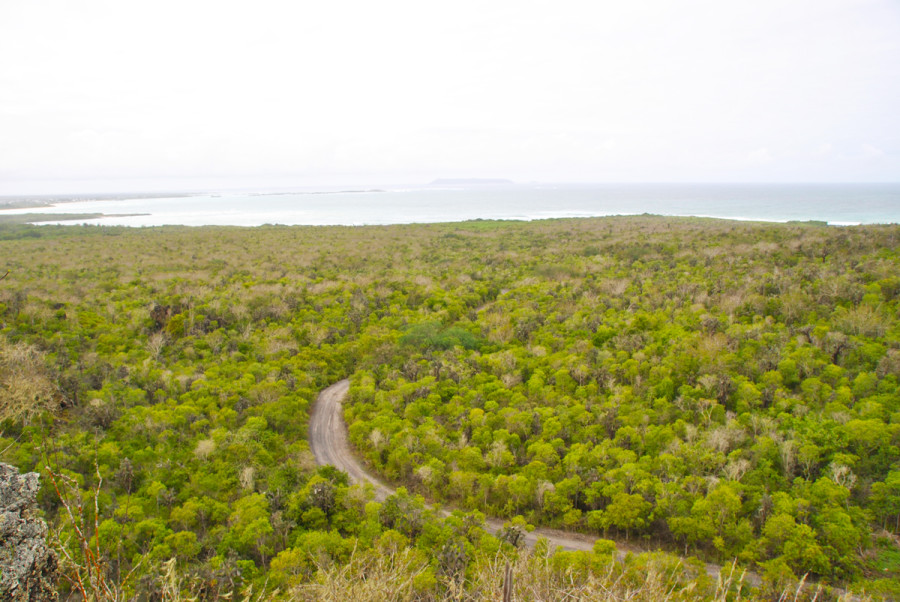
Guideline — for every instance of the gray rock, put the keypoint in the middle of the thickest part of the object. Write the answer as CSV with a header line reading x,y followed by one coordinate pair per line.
x,y
29,569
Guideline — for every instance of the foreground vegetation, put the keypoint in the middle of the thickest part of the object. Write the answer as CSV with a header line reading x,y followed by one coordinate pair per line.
x,y
718,389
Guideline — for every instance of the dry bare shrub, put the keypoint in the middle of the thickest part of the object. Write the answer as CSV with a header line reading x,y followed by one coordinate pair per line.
x,y
794,305
863,320
723,439
204,448
317,334
890,363
511,380
156,343
766,248
736,469
280,340
36,312
247,478
26,388
842,475
323,287
499,326
614,287
424,474
713,346
377,439
835,288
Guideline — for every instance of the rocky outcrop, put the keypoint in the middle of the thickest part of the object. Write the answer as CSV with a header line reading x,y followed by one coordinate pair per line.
x,y
28,568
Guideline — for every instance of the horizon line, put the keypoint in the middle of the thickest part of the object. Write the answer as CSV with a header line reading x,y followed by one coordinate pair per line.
x,y
436,182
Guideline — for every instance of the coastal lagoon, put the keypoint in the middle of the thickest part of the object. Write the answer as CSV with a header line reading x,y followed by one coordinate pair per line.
x,y
837,204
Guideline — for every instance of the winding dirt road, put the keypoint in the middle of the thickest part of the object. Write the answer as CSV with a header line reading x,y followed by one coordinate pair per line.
x,y
328,438
329,445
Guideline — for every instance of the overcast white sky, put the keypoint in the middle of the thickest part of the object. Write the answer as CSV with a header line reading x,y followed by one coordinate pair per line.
x,y
127,95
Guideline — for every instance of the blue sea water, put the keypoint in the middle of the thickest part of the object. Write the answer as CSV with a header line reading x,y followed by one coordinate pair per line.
x,y
839,204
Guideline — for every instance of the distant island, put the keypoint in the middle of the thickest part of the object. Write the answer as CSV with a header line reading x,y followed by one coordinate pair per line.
x,y
35,218
468,181
48,200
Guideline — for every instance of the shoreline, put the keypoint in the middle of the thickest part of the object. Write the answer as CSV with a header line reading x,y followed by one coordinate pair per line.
x,y
99,219
839,205
50,219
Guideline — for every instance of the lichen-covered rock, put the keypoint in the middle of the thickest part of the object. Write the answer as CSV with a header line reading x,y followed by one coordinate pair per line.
x,y
28,568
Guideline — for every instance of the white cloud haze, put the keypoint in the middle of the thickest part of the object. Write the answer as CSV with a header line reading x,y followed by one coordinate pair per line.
x,y
123,95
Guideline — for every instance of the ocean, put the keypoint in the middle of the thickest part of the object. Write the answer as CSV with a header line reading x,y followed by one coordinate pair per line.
x,y
836,204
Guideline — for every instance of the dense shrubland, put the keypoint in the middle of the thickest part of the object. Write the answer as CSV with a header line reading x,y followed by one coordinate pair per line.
x,y
726,390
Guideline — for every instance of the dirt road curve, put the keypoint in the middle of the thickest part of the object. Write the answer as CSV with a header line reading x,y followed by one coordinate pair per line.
x,y
328,441
328,438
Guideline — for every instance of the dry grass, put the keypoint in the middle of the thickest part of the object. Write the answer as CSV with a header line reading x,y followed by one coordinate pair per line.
x,y
26,388
534,576
538,576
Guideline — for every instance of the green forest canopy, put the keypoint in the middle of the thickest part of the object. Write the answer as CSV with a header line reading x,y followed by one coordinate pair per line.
x,y
721,389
